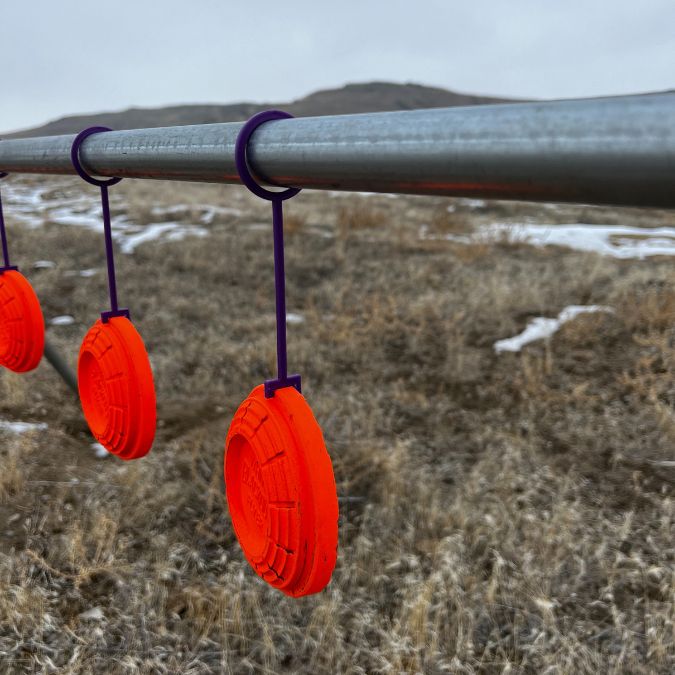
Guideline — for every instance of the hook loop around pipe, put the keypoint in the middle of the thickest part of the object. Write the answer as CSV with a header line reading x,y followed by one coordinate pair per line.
x,y
77,164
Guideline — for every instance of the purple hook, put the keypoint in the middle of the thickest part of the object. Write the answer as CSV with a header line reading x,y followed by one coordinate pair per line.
x,y
3,236
107,228
277,199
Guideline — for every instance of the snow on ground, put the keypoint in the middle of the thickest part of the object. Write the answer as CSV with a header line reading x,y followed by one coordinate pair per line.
x,y
91,272
31,205
207,212
472,204
125,232
93,614
99,450
543,327
616,241
21,427
167,231
43,264
64,320
25,203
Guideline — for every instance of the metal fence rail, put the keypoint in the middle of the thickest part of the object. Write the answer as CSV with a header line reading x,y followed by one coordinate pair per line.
x,y
604,151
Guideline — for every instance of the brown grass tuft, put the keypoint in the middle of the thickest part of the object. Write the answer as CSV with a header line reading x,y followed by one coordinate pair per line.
x,y
358,214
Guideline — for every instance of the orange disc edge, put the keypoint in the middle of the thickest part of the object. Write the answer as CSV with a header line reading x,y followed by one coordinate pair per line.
x,y
117,388
281,491
22,331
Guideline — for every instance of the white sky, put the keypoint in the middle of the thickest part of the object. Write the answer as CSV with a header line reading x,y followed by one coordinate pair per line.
x,y
63,56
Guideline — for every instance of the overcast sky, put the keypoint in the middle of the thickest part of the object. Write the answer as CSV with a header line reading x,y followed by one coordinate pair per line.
x,y
66,56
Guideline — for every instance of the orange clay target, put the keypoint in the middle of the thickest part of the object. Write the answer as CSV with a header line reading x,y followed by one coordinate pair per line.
x,y
22,327
116,388
281,491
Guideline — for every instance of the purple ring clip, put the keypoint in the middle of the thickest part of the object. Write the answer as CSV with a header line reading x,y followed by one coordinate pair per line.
x,y
277,198
75,157
107,228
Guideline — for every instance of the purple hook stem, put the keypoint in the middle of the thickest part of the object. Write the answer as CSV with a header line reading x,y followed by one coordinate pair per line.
x,y
277,199
3,235
107,228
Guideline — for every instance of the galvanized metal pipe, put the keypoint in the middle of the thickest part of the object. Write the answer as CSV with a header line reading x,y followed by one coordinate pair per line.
x,y
605,151
60,365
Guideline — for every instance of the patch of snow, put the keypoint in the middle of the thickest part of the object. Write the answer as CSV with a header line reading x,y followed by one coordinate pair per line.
x,y
293,318
169,210
93,614
29,205
616,241
63,320
179,233
21,427
473,204
424,232
43,264
543,327
545,604
172,232
88,272
82,273
207,212
99,450
210,212
24,203
90,218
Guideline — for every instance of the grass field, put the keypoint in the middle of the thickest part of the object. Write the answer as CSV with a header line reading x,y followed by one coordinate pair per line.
x,y
499,513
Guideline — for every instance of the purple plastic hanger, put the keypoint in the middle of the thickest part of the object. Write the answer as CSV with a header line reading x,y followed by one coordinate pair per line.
x,y
107,229
277,199
6,267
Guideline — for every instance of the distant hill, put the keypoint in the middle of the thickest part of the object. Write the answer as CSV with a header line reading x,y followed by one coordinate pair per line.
x,y
352,98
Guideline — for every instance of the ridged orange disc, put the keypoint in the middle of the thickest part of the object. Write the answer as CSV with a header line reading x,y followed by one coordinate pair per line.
x,y
281,491
117,390
22,326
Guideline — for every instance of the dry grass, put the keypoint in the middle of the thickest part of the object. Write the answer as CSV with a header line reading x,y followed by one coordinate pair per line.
x,y
12,477
359,214
499,514
447,220
294,223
